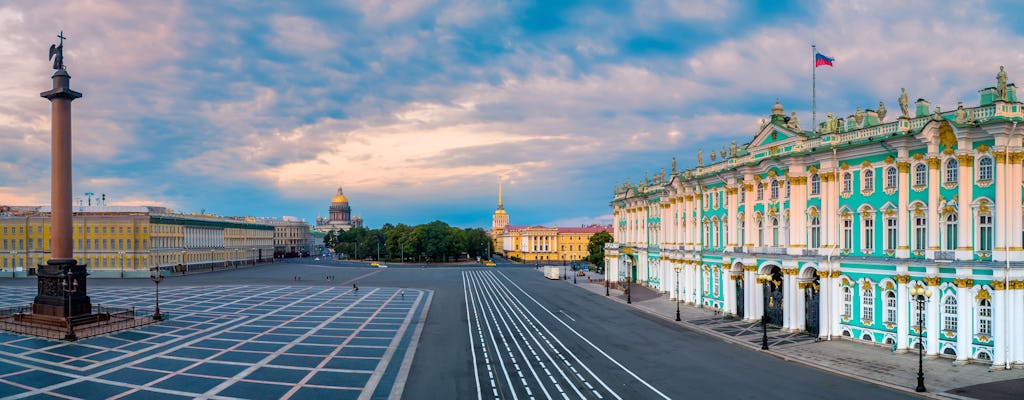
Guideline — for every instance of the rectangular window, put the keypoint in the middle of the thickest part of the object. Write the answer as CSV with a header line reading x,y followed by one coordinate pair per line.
x,y
890,234
847,234
890,308
985,232
920,233
869,235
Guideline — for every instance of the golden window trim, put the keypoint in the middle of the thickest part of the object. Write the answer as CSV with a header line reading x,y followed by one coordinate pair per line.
x,y
949,185
889,191
919,188
984,183
867,192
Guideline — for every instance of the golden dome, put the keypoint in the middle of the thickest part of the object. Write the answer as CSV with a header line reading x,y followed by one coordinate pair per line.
x,y
339,198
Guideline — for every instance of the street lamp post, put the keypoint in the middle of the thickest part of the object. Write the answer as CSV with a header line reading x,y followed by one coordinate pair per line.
x,y
920,295
157,276
629,279
574,274
70,286
766,280
677,294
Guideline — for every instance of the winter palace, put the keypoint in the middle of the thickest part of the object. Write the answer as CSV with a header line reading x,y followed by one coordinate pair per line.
x,y
839,224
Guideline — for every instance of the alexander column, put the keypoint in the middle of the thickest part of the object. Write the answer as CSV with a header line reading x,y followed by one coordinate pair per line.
x,y
62,282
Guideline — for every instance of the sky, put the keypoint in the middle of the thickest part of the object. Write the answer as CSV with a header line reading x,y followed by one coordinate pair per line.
x,y
417,108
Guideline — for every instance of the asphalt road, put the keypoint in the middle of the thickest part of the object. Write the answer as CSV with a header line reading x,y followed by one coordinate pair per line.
x,y
509,333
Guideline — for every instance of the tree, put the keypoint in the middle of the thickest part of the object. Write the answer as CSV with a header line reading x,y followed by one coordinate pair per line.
x,y
476,242
596,248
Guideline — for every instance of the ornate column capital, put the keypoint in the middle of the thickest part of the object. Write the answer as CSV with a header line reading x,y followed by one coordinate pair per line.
x,y
931,280
903,166
964,283
790,271
902,279
933,162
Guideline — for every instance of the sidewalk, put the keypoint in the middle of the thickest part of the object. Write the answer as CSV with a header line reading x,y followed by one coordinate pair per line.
x,y
859,360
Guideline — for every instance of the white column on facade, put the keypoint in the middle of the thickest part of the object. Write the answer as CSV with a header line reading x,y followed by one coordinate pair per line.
x,y
830,211
797,212
932,322
902,214
728,291
837,301
748,209
788,299
801,305
903,321
964,317
825,290
1017,334
748,293
965,195
999,324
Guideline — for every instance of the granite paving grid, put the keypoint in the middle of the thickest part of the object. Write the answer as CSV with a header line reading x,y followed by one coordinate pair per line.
x,y
860,360
194,361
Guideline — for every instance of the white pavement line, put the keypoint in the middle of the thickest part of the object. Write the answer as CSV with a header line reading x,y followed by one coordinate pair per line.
x,y
266,360
494,342
506,319
483,343
586,341
403,372
504,294
567,315
614,361
472,347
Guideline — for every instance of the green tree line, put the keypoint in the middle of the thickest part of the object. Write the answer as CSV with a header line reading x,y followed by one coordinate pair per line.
x,y
431,242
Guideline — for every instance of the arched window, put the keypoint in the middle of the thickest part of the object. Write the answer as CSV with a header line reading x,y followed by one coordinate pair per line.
x,y
920,175
815,232
951,232
869,180
707,281
847,302
984,317
867,303
890,178
847,182
985,232
815,185
775,190
985,169
775,231
890,307
760,191
952,171
949,313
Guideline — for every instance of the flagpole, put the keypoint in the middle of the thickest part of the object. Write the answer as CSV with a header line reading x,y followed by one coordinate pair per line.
x,y
814,93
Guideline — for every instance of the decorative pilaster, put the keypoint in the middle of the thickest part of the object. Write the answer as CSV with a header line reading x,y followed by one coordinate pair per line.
x,y
902,312
933,208
903,232
965,195
932,323
964,329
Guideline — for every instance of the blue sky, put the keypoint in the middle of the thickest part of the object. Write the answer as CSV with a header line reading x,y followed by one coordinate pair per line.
x,y
417,107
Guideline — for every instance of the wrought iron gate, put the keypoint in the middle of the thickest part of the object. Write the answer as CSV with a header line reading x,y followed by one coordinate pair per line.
x,y
812,297
739,298
775,298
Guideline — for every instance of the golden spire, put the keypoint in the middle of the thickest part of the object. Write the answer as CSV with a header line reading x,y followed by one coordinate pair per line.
x,y
500,205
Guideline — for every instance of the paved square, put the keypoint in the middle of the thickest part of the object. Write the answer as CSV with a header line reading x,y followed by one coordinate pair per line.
x,y
227,342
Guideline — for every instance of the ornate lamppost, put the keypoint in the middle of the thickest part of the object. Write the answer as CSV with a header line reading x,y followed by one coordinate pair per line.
x,y
629,280
677,294
157,276
920,295
70,286
766,280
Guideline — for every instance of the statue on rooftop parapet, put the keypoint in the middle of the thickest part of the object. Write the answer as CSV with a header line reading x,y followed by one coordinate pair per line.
x,y
830,124
723,152
961,114
733,149
673,165
858,117
661,175
938,113
713,155
904,106
794,123
1001,84
881,112
700,158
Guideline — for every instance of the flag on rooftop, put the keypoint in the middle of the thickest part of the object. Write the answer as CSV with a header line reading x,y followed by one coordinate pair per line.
x,y
821,59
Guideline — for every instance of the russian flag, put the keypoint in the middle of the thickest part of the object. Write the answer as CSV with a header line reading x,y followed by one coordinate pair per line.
x,y
821,59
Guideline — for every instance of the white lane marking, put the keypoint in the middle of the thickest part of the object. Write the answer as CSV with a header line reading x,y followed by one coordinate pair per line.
x,y
472,347
494,343
567,315
507,317
614,361
522,306
504,295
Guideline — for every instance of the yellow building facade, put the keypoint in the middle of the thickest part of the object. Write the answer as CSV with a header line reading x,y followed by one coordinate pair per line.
x,y
539,243
128,241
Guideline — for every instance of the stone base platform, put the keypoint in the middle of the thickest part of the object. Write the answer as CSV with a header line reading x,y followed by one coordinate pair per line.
x,y
99,322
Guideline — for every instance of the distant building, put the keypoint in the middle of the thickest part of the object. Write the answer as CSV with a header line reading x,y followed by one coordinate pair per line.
x,y
128,241
540,243
340,217
291,237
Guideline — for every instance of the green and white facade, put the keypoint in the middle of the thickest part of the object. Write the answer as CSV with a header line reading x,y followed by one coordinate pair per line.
x,y
846,221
